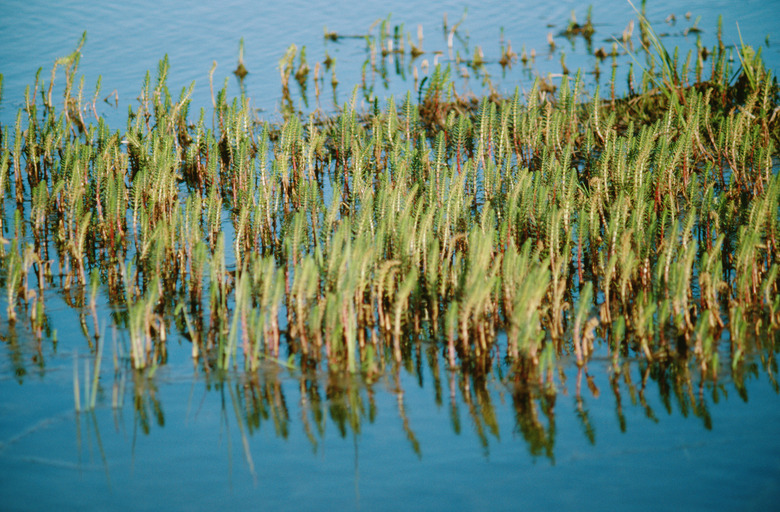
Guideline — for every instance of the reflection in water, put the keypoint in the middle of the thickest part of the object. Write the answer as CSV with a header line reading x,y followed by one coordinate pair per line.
x,y
473,398
146,404
285,400
528,403
88,422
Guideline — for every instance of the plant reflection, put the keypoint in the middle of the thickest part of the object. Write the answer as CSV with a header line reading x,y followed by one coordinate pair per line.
x,y
528,402
477,392
146,404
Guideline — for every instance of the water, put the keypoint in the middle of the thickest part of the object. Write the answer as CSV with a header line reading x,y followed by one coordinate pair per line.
x,y
125,40
420,437
188,444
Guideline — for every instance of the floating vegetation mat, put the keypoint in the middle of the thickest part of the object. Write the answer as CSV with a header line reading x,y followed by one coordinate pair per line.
x,y
516,231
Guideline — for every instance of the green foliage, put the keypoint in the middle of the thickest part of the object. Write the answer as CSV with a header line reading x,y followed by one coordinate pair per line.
x,y
344,242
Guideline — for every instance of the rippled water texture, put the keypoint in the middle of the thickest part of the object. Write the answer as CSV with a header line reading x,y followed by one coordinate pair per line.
x,y
126,39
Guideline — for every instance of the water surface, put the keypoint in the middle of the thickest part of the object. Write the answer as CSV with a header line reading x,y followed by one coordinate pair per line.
x,y
420,436
125,40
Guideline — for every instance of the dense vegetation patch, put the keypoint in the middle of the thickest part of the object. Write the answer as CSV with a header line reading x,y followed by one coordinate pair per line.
x,y
526,229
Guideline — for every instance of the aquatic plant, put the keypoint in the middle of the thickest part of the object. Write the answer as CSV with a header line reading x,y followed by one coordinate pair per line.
x,y
552,221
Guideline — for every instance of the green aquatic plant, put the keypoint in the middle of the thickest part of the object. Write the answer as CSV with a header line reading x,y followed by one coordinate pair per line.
x,y
537,225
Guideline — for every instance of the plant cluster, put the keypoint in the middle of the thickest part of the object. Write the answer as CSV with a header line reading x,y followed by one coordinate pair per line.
x,y
343,242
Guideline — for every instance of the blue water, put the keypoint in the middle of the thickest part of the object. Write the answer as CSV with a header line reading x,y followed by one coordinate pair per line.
x,y
185,448
419,437
127,39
